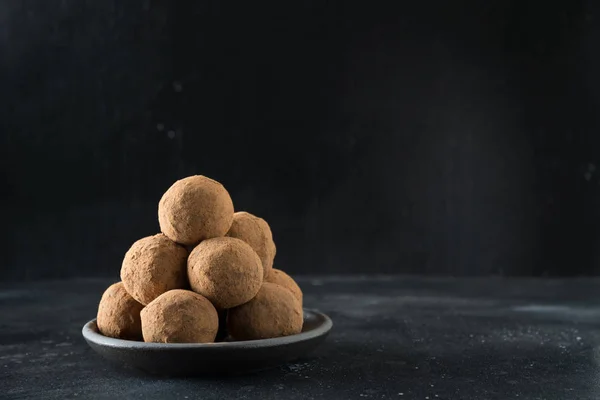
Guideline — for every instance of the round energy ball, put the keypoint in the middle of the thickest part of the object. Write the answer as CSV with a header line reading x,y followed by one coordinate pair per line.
x,y
119,314
274,312
152,266
194,209
179,316
256,232
280,278
225,270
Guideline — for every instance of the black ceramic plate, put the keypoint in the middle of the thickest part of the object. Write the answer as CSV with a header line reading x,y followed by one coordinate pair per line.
x,y
191,359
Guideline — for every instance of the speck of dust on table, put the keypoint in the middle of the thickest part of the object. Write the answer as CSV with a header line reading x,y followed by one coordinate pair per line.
x,y
393,337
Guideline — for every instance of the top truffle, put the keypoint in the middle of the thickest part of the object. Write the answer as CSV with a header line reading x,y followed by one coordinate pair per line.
x,y
256,232
194,209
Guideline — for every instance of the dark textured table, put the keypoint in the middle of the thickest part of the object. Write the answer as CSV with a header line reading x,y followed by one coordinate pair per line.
x,y
393,338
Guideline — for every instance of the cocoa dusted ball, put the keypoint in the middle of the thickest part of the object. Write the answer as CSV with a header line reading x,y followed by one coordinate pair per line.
x,y
280,278
256,232
225,270
194,209
273,312
180,316
119,314
152,266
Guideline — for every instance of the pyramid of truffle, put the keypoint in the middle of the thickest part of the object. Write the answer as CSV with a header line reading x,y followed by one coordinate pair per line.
x,y
179,316
225,270
256,232
207,276
152,266
194,209
119,314
273,312
280,278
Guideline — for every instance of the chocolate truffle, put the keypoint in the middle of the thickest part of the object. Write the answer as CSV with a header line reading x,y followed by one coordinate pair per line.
x,y
225,270
280,278
180,316
194,209
273,312
119,314
256,232
152,266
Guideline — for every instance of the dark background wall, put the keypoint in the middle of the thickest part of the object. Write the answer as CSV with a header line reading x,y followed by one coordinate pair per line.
x,y
432,137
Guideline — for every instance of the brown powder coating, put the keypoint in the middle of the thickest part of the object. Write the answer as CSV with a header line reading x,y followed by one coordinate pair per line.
x,y
256,232
194,209
280,278
274,312
225,270
180,316
152,266
119,314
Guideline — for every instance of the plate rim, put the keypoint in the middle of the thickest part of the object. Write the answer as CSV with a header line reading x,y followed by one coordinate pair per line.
x,y
92,336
